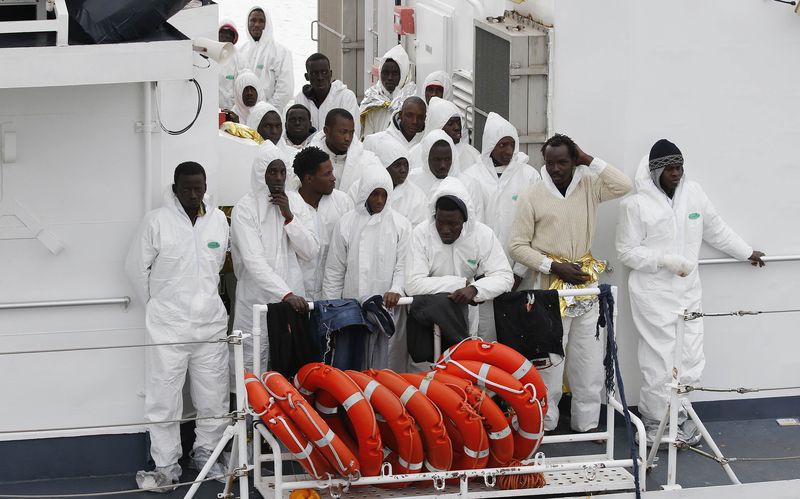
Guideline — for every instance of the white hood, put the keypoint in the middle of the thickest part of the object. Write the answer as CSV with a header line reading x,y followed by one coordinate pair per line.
x,y
439,113
495,129
442,79
226,22
644,184
422,170
267,153
258,112
390,151
246,78
371,179
454,187
397,54
268,35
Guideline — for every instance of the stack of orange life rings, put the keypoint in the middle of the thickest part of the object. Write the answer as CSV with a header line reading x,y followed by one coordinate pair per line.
x,y
350,423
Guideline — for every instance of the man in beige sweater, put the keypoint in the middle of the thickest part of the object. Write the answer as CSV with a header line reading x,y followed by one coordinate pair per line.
x,y
552,235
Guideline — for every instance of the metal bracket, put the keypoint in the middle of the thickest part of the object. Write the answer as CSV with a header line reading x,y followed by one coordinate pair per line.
x,y
516,70
348,45
533,138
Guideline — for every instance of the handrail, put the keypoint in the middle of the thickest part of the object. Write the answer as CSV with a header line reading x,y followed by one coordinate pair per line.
x,y
124,301
715,261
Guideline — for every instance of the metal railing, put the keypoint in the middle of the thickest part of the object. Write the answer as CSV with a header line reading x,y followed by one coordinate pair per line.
x,y
716,261
123,300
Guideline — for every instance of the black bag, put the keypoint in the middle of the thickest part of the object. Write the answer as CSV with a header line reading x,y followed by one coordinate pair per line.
x,y
114,21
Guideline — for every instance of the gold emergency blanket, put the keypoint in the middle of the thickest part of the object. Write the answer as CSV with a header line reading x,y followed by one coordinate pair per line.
x,y
238,130
575,306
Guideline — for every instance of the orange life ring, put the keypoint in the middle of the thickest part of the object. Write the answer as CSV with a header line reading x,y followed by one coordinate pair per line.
x,y
318,376
408,451
527,422
328,408
504,357
436,442
284,429
475,451
311,424
501,440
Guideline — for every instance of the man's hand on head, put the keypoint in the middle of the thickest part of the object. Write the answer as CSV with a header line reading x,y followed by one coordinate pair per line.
x,y
583,158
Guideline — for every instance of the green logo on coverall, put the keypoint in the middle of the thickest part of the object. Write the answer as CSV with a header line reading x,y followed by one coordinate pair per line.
x,y
472,262
694,216
213,245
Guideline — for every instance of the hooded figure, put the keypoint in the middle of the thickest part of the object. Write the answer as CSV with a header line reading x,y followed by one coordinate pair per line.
x,y
270,61
243,80
265,248
368,251
659,239
407,199
287,153
348,167
421,174
379,104
438,79
440,112
229,70
339,96
434,266
173,265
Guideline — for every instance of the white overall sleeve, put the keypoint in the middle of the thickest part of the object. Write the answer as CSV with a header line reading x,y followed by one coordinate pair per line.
x,y
300,232
418,270
630,235
335,265
140,258
403,237
719,234
284,81
493,265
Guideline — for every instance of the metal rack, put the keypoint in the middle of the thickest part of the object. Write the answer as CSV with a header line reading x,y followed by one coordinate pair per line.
x,y
579,474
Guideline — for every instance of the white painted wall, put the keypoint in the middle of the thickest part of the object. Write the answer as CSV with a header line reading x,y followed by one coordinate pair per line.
x,y
720,79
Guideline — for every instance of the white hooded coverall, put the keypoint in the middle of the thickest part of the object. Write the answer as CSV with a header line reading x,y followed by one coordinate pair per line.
x,y
421,174
287,152
174,269
379,105
348,167
407,199
228,71
265,249
339,97
442,79
245,79
435,267
649,228
270,61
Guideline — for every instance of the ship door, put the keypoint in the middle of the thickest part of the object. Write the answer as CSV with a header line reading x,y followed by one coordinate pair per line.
x,y
339,35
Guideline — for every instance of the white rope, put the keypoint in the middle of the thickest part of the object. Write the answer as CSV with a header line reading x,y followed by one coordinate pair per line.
x,y
231,416
740,390
690,316
483,379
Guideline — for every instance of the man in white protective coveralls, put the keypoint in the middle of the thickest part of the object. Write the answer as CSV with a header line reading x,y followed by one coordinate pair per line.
x,y
227,72
437,84
323,93
383,99
437,161
452,252
444,115
270,61
406,126
246,95
367,254
298,130
552,235
271,228
406,199
496,183
174,264
659,233
339,141
326,204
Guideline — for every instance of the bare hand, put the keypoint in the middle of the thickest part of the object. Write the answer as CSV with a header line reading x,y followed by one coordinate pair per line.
x,y
281,200
570,273
298,303
755,259
390,299
517,282
583,158
231,116
464,296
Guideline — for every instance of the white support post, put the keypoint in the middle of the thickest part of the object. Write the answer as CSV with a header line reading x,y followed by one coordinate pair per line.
x,y
257,310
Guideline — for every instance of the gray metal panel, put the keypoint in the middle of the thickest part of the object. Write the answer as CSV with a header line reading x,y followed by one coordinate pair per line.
x,y
330,14
346,17
491,85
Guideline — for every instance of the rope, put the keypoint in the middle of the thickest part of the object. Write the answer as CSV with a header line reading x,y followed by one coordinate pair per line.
x,y
727,460
611,362
736,313
740,390
232,416
227,339
163,488
523,481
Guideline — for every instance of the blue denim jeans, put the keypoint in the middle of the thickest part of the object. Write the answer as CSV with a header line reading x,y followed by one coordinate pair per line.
x,y
342,332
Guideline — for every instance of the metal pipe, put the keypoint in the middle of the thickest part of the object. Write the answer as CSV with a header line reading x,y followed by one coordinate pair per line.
x,y
241,425
717,261
124,301
406,300
257,309
148,145
575,437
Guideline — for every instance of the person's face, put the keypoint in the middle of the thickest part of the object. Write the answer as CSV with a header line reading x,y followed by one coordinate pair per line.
x,y
671,177
339,136
503,151
256,24
275,177
390,75
298,123
323,181
440,159
453,129
271,127
319,74
190,189
449,225
559,164
249,96
398,171
226,35
432,91
412,118
377,200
